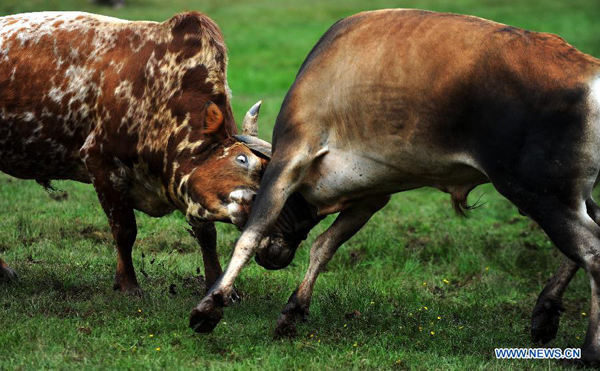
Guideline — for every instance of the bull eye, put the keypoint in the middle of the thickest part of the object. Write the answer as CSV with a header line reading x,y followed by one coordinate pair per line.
x,y
242,159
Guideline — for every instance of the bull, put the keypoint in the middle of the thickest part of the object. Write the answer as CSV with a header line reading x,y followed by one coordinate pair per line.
x,y
139,109
394,100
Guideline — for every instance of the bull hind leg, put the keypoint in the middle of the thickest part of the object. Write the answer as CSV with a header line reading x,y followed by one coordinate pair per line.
x,y
7,274
345,226
545,317
576,235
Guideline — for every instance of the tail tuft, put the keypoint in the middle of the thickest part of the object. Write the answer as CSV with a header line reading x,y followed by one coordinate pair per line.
x,y
47,184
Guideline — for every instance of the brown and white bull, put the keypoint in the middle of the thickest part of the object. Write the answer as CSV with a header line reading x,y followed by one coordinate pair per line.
x,y
139,109
394,100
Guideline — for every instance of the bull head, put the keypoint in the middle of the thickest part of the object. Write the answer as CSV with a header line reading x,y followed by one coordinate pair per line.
x,y
221,173
297,218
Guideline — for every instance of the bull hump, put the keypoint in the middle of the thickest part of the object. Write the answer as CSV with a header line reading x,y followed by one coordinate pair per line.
x,y
437,57
67,76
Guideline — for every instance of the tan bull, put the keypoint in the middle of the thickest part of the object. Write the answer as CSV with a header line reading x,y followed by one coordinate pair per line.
x,y
393,100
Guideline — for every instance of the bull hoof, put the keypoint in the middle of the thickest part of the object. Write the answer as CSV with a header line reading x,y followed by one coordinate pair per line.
x,y
572,363
286,327
7,274
286,324
590,356
545,319
205,317
129,289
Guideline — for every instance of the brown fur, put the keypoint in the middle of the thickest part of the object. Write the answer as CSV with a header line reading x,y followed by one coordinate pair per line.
x,y
139,109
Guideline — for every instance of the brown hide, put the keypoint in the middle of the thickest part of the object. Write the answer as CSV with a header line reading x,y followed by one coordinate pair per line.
x,y
140,109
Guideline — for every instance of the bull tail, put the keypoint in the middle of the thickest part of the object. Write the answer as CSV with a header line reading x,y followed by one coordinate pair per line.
x,y
47,184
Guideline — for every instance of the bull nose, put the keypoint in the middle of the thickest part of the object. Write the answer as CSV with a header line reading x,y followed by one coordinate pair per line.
x,y
242,196
275,253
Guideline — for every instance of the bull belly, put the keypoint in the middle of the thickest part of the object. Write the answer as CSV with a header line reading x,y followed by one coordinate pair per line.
x,y
342,177
29,149
29,168
42,162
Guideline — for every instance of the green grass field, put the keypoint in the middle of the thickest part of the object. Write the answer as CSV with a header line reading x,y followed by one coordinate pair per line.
x,y
434,291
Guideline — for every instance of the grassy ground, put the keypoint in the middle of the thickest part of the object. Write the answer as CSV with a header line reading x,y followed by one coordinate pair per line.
x,y
433,291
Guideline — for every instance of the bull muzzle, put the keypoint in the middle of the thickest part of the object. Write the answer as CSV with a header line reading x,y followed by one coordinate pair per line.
x,y
240,202
294,223
276,253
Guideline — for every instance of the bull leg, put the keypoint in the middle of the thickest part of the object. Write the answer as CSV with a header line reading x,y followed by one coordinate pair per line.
x,y
345,226
109,185
124,229
578,237
7,274
545,317
206,236
280,180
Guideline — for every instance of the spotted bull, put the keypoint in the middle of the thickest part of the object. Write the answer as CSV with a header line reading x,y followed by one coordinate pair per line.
x,y
139,109
394,100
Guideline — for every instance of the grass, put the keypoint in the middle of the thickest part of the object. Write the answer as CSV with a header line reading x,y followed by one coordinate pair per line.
x,y
434,291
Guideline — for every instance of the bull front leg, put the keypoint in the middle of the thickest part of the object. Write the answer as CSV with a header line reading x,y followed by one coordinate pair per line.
x,y
206,236
110,186
7,274
280,180
124,229
345,226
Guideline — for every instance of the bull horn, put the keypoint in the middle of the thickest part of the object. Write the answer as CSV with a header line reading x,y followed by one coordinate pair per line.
x,y
250,123
255,144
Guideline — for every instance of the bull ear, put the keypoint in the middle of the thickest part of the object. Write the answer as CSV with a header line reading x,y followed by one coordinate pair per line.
x,y
213,120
